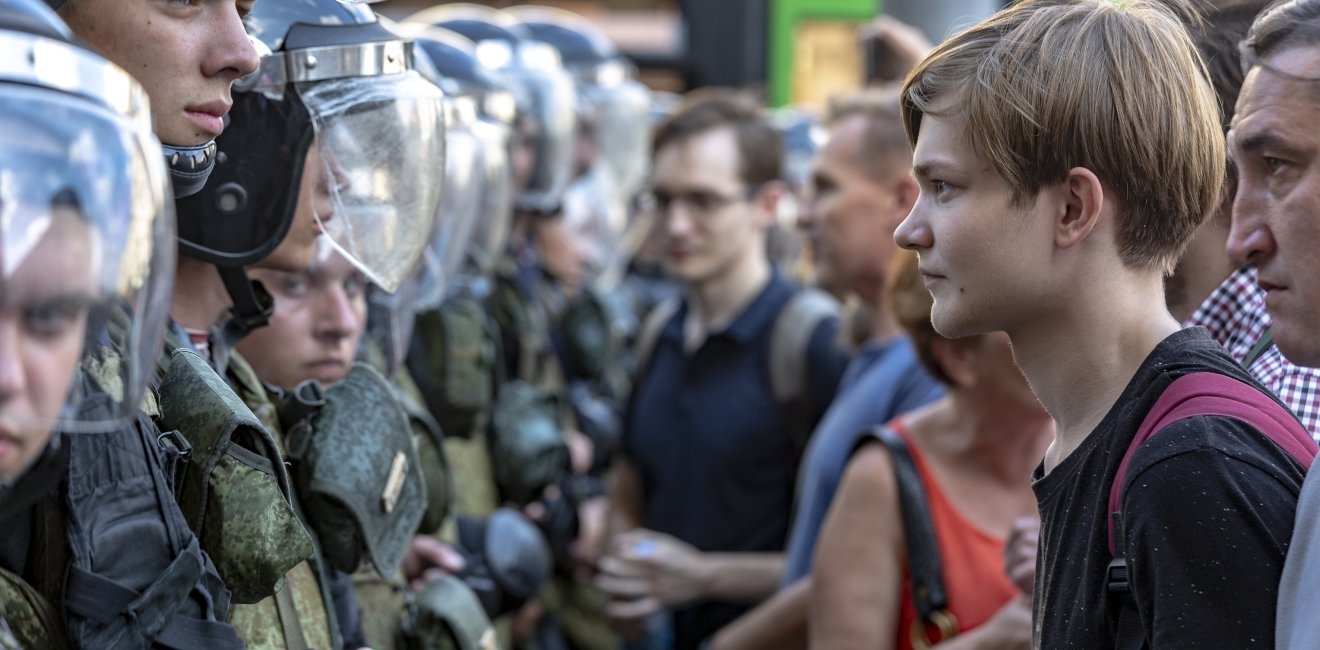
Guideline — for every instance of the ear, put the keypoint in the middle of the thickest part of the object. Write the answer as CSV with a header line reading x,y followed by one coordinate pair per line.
x,y
767,202
1083,206
954,360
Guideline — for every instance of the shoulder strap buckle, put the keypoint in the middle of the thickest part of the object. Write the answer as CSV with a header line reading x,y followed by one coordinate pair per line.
x,y
1116,576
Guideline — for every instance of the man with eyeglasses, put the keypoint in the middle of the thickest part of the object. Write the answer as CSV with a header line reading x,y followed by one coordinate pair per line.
x,y
712,439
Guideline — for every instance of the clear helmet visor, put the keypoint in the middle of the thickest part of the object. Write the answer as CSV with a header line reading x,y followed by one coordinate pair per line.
x,y
547,125
491,230
377,140
86,265
622,115
455,222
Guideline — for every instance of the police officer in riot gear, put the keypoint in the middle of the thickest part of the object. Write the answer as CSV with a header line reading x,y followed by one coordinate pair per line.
x,y
87,243
335,136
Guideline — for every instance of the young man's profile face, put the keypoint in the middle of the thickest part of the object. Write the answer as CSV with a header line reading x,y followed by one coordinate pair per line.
x,y
44,303
713,217
1276,215
984,259
186,55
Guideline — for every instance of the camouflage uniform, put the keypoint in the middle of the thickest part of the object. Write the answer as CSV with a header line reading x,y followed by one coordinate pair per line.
x,y
517,308
262,624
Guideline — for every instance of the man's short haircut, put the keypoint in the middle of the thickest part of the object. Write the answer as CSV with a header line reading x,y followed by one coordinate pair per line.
x,y
760,145
884,144
1283,26
1114,86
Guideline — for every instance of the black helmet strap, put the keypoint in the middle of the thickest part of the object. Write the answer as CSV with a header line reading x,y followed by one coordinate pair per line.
x,y
252,308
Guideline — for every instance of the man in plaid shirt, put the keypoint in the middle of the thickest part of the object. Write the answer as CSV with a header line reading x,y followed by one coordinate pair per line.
x,y
1207,289
1236,316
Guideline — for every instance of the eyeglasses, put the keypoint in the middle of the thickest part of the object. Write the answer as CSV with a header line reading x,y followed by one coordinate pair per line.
x,y
697,202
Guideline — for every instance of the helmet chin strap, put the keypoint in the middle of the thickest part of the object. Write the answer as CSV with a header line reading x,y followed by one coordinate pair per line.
x,y
252,308
189,166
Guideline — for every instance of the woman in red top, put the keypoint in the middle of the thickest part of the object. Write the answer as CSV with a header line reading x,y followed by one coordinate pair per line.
x,y
975,450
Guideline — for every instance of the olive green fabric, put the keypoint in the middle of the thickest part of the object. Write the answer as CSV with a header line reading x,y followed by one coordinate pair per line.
x,y
232,486
581,612
585,326
259,624
526,450
383,608
430,439
358,475
33,621
459,362
446,615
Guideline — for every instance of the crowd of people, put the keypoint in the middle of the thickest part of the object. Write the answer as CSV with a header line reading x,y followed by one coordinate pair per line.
x,y
322,330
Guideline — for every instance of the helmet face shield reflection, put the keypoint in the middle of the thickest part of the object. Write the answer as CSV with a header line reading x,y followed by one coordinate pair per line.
x,y
547,102
86,263
458,213
378,140
491,230
622,114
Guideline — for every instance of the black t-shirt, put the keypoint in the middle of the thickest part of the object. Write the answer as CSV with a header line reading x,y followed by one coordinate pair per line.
x,y
1208,513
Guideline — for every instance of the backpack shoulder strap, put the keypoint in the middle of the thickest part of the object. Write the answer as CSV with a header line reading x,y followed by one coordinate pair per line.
x,y
649,335
1208,393
925,571
790,344
1262,344
1192,395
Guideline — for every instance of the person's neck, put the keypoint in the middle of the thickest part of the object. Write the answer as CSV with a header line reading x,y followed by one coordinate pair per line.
x,y
1081,356
988,430
883,325
1204,267
715,302
200,299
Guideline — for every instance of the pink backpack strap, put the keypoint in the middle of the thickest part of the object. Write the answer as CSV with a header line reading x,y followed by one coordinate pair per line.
x,y
1208,393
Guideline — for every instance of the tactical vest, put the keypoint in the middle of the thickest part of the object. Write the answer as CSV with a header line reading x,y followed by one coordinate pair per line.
x,y
112,562
452,359
298,616
429,436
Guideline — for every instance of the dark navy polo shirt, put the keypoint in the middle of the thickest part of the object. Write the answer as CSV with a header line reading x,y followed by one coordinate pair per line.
x,y
717,462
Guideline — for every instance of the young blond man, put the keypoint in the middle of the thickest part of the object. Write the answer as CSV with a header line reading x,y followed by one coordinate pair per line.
x,y
1066,150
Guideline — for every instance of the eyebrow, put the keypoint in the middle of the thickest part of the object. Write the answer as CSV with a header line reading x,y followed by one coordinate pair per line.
x,y
928,169
1261,140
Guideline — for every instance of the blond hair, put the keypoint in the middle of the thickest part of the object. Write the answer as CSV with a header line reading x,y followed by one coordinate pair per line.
x,y
1114,86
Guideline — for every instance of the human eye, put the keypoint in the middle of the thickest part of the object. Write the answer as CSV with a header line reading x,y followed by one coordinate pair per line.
x,y
939,188
53,318
295,286
355,285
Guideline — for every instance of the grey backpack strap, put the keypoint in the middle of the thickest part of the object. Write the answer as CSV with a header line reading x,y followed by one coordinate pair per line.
x,y
649,335
790,342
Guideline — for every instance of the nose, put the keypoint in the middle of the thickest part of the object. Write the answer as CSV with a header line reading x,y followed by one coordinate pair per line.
x,y
231,54
12,377
806,214
337,317
1250,241
678,219
914,233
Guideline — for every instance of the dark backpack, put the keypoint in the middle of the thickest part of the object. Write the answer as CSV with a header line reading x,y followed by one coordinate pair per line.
x,y
1193,395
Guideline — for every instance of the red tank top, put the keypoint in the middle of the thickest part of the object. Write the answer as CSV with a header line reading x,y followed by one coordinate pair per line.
x,y
972,560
